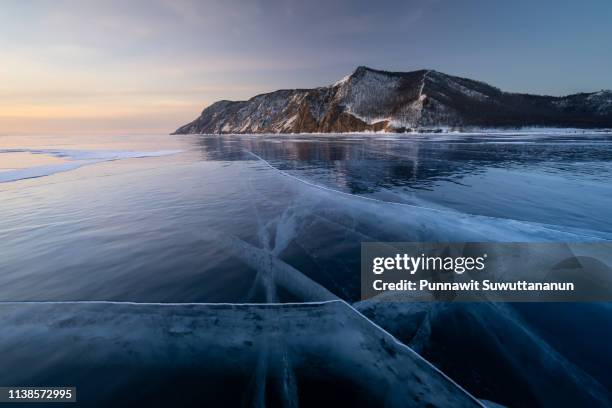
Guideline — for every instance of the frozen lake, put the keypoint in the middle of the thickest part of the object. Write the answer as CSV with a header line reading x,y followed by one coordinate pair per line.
x,y
172,218
255,219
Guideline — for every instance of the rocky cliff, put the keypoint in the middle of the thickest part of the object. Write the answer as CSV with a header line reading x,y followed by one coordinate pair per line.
x,y
373,100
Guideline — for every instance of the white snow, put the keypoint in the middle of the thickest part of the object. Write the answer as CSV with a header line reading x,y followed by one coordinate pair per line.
x,y
342,80
75,159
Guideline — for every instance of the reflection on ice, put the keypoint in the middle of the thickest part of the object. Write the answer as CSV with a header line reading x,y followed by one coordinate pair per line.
x,y
528,177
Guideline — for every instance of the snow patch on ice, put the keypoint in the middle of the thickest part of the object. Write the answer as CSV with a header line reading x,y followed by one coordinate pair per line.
x,y
75,159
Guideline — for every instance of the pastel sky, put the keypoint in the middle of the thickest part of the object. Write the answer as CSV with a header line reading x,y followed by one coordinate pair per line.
x,y
140,66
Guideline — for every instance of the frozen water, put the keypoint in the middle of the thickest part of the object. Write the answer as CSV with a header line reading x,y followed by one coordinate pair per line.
x,y
230,217
75,159
218,355
280,219
479,344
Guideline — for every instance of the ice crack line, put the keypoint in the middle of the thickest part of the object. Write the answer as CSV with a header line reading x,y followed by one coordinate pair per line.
x,y
446,212
323,302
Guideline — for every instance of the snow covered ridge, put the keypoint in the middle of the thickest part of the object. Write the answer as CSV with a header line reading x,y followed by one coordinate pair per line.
x,y
369,100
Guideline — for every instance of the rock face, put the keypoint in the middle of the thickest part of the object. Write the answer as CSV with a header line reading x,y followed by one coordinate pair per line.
x,y
373,100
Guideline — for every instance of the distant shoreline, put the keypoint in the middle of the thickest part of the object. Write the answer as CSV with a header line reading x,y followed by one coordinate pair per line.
x,y
427,101
444,131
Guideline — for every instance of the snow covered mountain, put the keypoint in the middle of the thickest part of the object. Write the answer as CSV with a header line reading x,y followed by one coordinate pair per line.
x,y
373,100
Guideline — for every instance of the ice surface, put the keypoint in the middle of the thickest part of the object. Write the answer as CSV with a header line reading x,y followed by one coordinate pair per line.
x,y
76,159
284,224
479,344
41,171
442,225
316,354
275,274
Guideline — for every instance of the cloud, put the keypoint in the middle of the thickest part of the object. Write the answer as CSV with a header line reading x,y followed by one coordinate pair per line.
x,y
141,56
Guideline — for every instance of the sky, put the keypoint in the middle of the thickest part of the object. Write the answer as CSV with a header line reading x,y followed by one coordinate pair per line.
x,y
149,66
